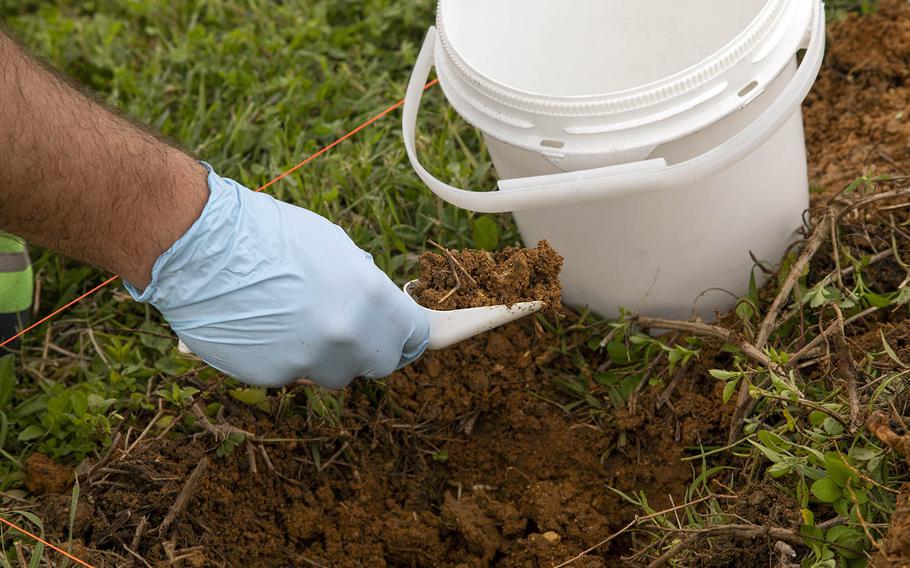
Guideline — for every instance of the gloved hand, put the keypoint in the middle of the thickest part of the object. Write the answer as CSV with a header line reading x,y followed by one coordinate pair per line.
x,y
268,293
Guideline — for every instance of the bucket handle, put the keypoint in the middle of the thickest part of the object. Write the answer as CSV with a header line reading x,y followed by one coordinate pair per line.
x,y
612,181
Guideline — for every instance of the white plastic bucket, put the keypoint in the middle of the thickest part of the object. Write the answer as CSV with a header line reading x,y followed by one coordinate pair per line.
x,y
654,143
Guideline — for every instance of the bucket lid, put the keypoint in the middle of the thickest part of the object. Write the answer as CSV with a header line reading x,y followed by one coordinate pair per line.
x,y
618,74
590,47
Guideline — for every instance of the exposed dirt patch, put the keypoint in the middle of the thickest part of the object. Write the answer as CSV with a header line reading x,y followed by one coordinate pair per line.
x,y
857,116
474,278
462,461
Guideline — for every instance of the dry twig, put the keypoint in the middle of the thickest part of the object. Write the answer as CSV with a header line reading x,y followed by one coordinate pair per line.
x,y
636,521
680,373
221,431
139,533
845,360
136,555
309,561
810,348
741,531
812,244
705,330
744,404
455,267
186,494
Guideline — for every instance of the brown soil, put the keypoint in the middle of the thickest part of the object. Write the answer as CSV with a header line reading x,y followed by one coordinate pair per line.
x,y
475,278
42,475
895,550
858,116
463,461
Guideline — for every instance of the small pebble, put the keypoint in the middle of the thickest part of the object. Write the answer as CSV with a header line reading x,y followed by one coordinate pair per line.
x,y
551,537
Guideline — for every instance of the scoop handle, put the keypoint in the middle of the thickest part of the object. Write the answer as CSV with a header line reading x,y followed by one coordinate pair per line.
x,y
454,326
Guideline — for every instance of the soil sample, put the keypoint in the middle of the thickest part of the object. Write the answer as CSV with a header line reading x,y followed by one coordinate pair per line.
x,y
474,278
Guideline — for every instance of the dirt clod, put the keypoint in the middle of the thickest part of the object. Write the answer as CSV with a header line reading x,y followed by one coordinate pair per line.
x,y
551,537
474,278
43,475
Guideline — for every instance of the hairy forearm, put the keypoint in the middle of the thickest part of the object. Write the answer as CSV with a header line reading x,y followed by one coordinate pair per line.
x,y
78,179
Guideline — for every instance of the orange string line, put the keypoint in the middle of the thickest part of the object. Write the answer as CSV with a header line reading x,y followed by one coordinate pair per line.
x,y
343,138
46,543
61,310
113,279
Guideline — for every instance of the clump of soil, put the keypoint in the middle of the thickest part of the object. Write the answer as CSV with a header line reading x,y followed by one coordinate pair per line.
x,y
43,475
857,117
474,278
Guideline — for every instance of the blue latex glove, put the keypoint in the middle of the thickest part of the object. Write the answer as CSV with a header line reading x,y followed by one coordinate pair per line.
x,y
268,293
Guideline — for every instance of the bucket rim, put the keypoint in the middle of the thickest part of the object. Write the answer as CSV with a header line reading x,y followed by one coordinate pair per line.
x,y
763,26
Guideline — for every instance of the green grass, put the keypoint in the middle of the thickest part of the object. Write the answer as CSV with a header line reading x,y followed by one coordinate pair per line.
x,y
254,87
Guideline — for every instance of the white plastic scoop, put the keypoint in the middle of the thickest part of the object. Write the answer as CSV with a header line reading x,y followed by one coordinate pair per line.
x,y
452,326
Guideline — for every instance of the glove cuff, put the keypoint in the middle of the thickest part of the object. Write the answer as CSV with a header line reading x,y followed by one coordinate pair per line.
x,y
148,295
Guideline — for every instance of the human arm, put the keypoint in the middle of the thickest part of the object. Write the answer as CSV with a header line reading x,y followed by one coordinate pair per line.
x,y
262,290
79,179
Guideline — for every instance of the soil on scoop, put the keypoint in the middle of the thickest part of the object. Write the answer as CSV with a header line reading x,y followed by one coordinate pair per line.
x,y
463,459
475,278
857,116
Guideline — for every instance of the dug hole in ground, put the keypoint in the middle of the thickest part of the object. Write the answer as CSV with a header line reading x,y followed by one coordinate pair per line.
x,y
537,442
